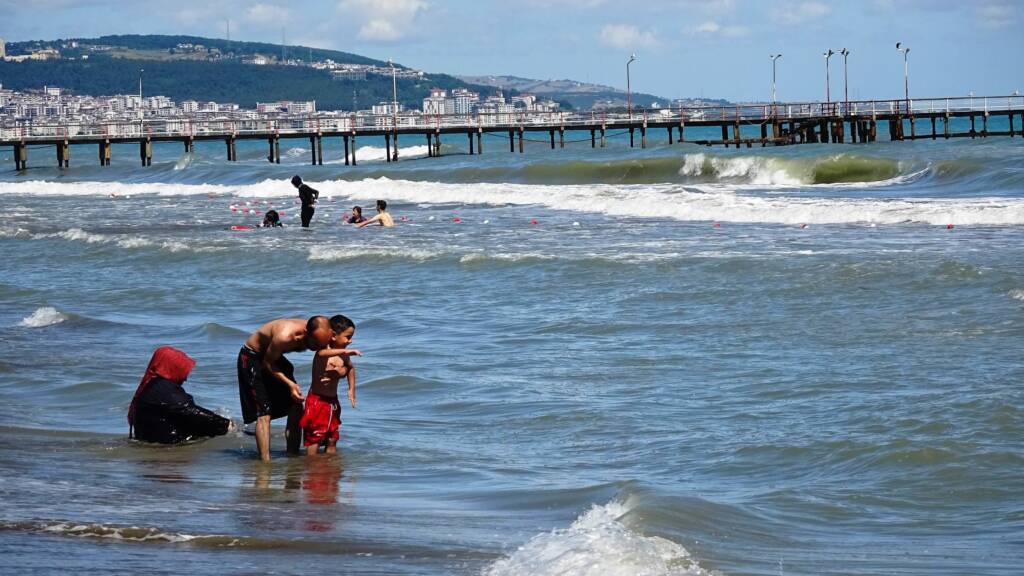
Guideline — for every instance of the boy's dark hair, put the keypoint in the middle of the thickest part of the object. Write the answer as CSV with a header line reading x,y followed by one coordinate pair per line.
x,y
314,322
382,205
340,323
358,210
296,181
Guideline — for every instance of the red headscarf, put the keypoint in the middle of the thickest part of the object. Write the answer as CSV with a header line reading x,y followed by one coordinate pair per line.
x,y
167,363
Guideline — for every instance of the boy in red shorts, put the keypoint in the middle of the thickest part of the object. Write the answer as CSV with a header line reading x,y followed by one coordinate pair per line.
x,y
321,418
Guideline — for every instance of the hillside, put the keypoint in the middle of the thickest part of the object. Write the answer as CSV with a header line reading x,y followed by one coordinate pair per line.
x,y
579,94
114,69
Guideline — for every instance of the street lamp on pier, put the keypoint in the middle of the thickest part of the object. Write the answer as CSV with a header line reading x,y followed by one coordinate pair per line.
x,y
142,111
629,92
774,57
394,103
828,81
846,79
906,72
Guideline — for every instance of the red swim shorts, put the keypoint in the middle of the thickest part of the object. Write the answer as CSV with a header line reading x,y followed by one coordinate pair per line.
x,y
321,420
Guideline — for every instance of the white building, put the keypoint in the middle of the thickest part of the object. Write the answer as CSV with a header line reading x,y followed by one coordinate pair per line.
x,y
464,101
435,103
3,48
299,107
190,106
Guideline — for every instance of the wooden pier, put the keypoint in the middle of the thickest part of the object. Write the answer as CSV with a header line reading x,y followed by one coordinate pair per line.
x,y
854,122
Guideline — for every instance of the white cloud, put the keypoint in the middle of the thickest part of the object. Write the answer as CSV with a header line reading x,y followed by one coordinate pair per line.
x,y
997,15
384,20
267,14
712,28
802,12
628,37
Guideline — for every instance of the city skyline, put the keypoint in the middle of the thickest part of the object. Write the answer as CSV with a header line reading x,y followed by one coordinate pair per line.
x,y
685,48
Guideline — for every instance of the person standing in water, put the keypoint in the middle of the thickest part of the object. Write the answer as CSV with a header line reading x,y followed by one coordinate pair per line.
x,y
266,379
382,218
307,196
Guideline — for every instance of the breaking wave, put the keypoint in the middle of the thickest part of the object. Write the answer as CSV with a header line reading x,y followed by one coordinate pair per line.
x,y
44,316
598,543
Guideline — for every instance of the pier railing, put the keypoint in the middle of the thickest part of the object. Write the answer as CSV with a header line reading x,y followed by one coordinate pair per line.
x,y
206,127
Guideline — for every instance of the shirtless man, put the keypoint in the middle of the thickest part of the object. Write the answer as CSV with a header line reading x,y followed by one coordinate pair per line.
x,y
382,218
266,379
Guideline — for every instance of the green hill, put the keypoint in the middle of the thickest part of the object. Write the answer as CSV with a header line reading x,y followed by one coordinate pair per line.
x,y
221,79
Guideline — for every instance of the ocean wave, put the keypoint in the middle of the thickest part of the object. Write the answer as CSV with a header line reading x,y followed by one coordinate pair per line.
x,y
684,203
1016,294
356,253
379,154
776,170
123,241
598,543
44,316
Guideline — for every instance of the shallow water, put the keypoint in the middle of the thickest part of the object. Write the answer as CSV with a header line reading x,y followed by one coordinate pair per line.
x,y
765,361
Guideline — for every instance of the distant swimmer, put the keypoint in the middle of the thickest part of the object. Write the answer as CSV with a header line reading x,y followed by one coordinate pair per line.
x,y
356,217
161,411
382,218
307,196
266,379
272,219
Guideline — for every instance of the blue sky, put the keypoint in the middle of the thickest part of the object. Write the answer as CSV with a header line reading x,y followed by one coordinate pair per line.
x,y
718,48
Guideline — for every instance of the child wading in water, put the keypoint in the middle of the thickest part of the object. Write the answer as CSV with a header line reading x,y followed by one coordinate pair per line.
x,y
321,419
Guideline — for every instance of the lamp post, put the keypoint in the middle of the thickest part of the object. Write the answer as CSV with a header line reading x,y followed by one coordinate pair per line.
x,y
828,81
629,93
906,72
142,112
774,57
846,80
394,103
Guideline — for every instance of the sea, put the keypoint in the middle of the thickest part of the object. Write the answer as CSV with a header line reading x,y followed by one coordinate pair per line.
x,y
661,361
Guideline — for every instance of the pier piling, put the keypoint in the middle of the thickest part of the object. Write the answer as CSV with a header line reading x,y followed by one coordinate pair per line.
x,y
394,151
345,138
387,147
20,156
479,141
319,150
146,152
469,135
353,148
63,154
511,141
104,150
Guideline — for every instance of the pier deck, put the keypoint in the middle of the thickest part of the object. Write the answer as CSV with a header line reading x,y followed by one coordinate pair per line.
x,y
777,124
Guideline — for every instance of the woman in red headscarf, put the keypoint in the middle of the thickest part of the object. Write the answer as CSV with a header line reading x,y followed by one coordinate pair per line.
x,y
162,411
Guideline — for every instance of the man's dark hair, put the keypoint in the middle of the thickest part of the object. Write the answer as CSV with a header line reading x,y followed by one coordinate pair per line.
x,y
296,181
341,323
358,210
382,205
315,322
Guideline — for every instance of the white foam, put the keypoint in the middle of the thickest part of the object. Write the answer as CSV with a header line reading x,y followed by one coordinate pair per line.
x,y
377,154
45,316
716,202
746,169
1017,294
598,543
80,235
346,253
